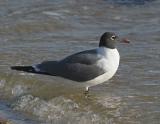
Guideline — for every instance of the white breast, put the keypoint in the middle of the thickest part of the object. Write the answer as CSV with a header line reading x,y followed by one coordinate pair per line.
x,y
109,62
110,59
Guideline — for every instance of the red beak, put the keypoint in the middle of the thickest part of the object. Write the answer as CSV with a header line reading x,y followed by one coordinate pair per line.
x,y
125,40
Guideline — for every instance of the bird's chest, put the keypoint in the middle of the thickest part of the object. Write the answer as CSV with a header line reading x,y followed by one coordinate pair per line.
x,y
109,61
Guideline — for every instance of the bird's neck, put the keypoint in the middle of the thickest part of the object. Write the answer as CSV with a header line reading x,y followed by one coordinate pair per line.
x,y
106,52
110,58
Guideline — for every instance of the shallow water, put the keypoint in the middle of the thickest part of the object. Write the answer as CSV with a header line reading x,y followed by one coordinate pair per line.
x,y
31,32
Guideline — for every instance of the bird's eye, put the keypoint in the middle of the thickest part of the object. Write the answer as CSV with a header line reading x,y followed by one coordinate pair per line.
x,y
113,37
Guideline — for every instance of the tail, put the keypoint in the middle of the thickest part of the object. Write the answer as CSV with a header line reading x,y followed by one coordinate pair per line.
x,y
29,69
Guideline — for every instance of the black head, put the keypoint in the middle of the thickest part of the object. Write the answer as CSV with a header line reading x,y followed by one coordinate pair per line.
x,y
108,39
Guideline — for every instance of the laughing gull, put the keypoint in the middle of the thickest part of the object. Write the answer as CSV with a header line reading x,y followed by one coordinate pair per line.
x,y
91,67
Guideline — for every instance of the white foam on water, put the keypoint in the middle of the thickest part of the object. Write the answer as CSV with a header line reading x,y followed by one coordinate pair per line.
x,y
110,102
2,83
54,14
13,117
57,110
24,74
154,71
51,13
17,90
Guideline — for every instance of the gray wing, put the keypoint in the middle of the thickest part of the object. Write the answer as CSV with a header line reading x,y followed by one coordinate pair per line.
x,y
80,72
78,67
86,57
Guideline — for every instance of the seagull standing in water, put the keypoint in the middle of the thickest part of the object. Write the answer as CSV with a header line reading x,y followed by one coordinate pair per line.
x,y
90,67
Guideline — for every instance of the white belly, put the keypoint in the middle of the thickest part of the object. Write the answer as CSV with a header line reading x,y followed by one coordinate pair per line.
x,y
109,63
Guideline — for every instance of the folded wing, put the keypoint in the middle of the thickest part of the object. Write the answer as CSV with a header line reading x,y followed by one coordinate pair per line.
x,y
78,67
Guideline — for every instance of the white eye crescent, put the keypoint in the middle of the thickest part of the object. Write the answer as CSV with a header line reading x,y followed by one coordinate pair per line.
x,y
113,37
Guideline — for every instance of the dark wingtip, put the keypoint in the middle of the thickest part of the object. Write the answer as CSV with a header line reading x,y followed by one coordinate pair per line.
x,y
22,68
16,67
13,67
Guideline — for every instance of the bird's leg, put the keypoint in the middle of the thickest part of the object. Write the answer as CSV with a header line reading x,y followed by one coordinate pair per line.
x,y
86,91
